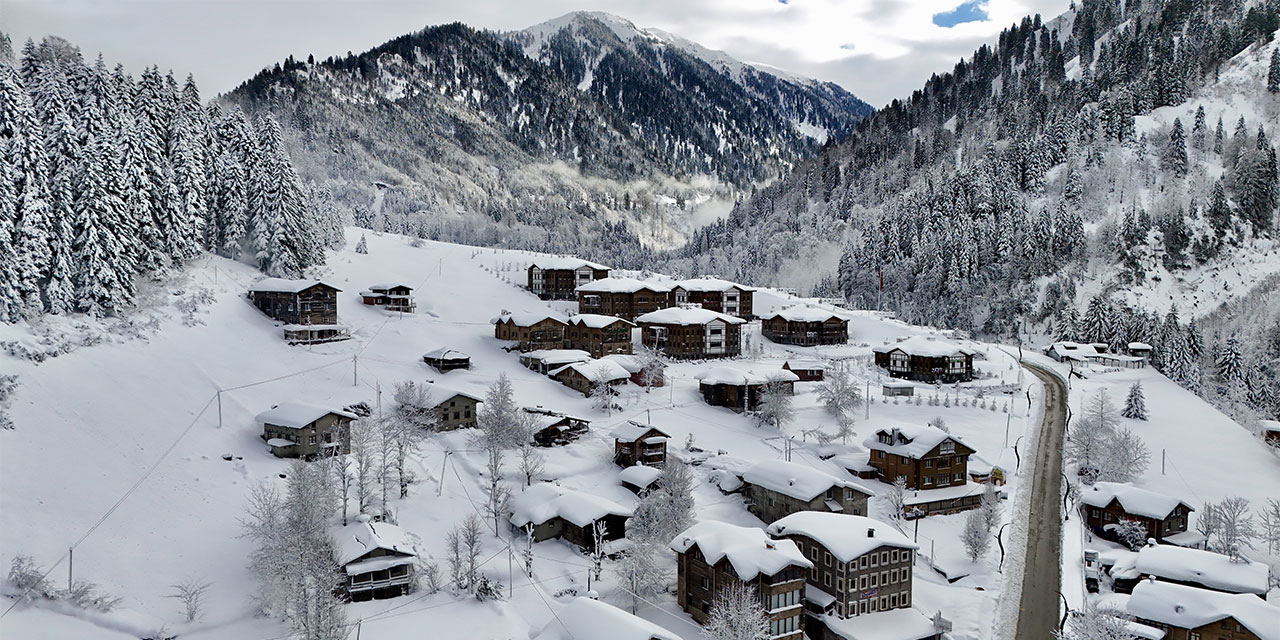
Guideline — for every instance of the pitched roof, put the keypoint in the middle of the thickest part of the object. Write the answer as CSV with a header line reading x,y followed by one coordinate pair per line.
x,y
1139,502
524,318
640,475
627,361
552,262
726,375
297,415
686,316
283,285
846,536
543,502
793,479
708,283
925,346
911,441
1190,608
748,549
632,430
895,624
621,285
597,370
383,286
362,536
445,354
597,321
440,393
587,619
1213,570
804,365
802,313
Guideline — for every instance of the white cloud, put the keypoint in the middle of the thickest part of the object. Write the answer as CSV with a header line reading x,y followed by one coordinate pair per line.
x,y
878,49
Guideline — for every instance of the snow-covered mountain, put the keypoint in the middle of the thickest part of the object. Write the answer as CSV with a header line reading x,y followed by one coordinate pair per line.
x,y
579,134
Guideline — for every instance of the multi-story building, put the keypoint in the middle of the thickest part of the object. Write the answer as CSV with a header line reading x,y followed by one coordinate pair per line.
x,y
301,430
777,488
741,390
599,335
804,325
714,555
625,298
928,457
927,359
309,308
1106,504
530,331
729,298
692,333
557,278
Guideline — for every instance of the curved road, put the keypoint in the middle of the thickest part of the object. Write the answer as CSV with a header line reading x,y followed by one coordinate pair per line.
x,y
1042,575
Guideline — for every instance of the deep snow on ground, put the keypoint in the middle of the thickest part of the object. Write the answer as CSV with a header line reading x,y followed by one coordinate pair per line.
x,y
92,422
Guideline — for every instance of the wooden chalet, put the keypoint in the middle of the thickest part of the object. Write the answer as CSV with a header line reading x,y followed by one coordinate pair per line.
x,y
445,360
927,457
1270,432
378,559
1187,613
654,377
689,333
927,359
551,511
545,361
741,390
774,489
626,298
558,278
599,335
804,325
714,555
807,370
721,296
530,331
638,443
1106,504
308,308
585,377
301,430
554,429
891,388
861,566
454,409
390,296
1098,353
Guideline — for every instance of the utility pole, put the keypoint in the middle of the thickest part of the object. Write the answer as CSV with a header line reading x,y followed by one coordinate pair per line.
x,y
219,408
866,402
1008,417
355,370
440,484
71,563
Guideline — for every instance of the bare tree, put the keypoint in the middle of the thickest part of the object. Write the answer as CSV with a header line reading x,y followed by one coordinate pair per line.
x,y
500,418
1096,624
191,594
1270,525
642,572
364,461
976,536
1236,527
651,367
599,530
602,397
737,614
1125,458
895,501
1131,533
990,507
775,407
462,543
414,405
532,462
497,494
840,396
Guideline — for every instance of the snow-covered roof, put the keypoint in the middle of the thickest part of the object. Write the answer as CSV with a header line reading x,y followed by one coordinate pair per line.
x,y
621,285
926,346
799,481
1191,608
748,549
687,316
1072,350
524,318
565,263
362,536
1139,502
556,356
639,475
803,313
283,285
597,321
587,619
726,375
1212,570
954,492
597,370
440,393
629,362
846,536
297,415
911,441
895,624
543,502
897,384
1269,425
709,284
385,286
1140,346
981,466
633,430
280,443
445,354
855,462
807,365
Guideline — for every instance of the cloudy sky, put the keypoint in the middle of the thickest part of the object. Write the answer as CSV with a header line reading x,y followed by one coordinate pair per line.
x,y
878,49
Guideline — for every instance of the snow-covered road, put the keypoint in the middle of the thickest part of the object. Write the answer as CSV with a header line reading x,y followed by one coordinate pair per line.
x,y
1038,606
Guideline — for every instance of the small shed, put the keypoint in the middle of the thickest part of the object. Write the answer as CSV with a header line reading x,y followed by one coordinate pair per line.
x,y
807,370
638,478
584,377
557,512
552,429
639,443
1270,432
892,388
445,360
1140,349
545,361
741,390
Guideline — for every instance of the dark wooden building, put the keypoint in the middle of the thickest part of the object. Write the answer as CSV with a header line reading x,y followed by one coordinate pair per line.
x,y
552,511
1187,613
584,377
378,559
626,298
927,359
599,335
558,278
691,333
714,555
862,565
301,430
552,429
530,331
741,390
444,360
729,298
308,308
1106,504
927,457
637,443
807,370
804,325
391,296
454,409
774,489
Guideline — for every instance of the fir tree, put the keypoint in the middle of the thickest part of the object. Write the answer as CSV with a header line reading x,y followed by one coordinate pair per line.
x,y
1175,152
363,245
99,287
1217,137
1273,72
1198,130
1229,364
1135,406
1219,212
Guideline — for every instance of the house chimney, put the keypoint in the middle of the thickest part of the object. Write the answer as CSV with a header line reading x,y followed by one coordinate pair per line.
x,y
871,532
1179,608
768,544
791,482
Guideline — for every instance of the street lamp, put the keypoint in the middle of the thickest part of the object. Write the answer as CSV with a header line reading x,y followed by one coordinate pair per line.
x,y
1000,541
1015,452
1066,611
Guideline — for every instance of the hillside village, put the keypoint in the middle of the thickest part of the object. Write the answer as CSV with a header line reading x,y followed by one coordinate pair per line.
x,y
780,482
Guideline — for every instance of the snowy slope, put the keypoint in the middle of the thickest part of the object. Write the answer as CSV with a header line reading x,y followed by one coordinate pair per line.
x,y
91,423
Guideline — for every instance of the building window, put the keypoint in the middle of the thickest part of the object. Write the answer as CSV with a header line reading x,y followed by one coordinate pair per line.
x,y
928,464
928,480
947,446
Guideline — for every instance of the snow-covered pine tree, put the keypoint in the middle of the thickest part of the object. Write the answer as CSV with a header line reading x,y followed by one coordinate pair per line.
x,y
1218,135
99,286
1135,406
1273,72
1198,130
363,245
1096,324
272,205
1174,158
1230,369
27,252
